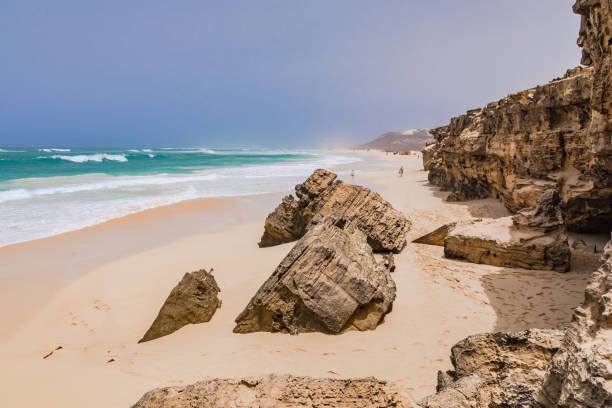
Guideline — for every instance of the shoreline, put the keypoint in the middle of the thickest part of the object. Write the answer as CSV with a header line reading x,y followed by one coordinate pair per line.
x,y
49,205
151,226
139,231
123,271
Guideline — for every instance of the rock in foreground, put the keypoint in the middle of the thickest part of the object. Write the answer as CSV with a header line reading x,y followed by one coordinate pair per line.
x,y
329,282
580,375
320,196
276,391
496,370
193,300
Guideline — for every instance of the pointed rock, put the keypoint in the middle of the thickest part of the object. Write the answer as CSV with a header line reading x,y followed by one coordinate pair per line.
x,y
193,300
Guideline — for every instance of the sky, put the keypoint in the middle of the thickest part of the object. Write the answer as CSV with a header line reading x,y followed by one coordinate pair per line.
x,y
265,73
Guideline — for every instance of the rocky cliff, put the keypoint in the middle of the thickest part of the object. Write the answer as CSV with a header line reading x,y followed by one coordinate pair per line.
x,y
580,375
550,136
557,135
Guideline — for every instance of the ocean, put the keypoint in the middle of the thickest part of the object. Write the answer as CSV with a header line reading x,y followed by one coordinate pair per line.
x,y
48,191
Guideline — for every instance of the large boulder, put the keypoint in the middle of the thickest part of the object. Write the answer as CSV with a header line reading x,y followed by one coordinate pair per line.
x,y
322,195
277,391
329,282
193,300
535,238
496,370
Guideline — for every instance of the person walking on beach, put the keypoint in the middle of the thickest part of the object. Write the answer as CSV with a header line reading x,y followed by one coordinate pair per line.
x,y
401,171
352,175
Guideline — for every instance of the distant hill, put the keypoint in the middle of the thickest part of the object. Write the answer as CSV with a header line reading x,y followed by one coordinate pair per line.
x,y
414,139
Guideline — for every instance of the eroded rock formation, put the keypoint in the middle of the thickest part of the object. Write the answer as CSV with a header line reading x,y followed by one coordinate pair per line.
x,y
529,142
496,370
320,196
535,238
580,375
329,282
557,136
193,300
277,391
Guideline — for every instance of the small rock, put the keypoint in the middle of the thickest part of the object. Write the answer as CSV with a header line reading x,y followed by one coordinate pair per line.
x,y
193,300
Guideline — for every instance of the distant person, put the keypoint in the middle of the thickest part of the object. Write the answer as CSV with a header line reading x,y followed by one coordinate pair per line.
x,y
352,175
401,171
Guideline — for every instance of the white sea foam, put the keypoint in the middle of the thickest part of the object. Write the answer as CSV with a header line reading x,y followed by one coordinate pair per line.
x,y
11,151
67,203
147,150
10,195
83,158
49,150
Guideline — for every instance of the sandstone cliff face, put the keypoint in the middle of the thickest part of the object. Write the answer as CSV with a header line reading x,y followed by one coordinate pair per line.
x,y
527,143
193,300
572,134
329,282
320,196
277,391
580,376
496,370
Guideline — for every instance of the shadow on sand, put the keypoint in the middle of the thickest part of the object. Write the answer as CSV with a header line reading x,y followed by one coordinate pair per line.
x,y
534,299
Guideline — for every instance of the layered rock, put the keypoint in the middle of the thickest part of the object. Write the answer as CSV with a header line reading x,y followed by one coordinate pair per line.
x,y
580,375
193,300
322,195
277,391
535,238
496,370
530,142
329,282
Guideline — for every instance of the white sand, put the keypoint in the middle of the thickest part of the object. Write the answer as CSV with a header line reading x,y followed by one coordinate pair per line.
x,y
128,267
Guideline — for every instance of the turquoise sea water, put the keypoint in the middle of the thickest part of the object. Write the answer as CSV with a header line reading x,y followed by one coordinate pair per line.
x,y
46,191
52,162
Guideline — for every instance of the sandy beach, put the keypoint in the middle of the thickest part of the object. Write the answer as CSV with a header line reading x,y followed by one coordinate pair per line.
x,y
95,291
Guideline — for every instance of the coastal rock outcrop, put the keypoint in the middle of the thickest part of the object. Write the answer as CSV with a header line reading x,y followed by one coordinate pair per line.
x,y
535,238
555,136
322,195
580,375
193,300
277,391
503,369
329,282
542,138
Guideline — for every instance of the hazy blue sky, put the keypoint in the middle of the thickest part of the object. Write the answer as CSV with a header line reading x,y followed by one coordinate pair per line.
x,y
265,73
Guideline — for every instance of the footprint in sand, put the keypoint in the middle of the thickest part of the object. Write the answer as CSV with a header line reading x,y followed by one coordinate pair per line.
x,y
359,350
332,372
328,354
99,305
299,349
